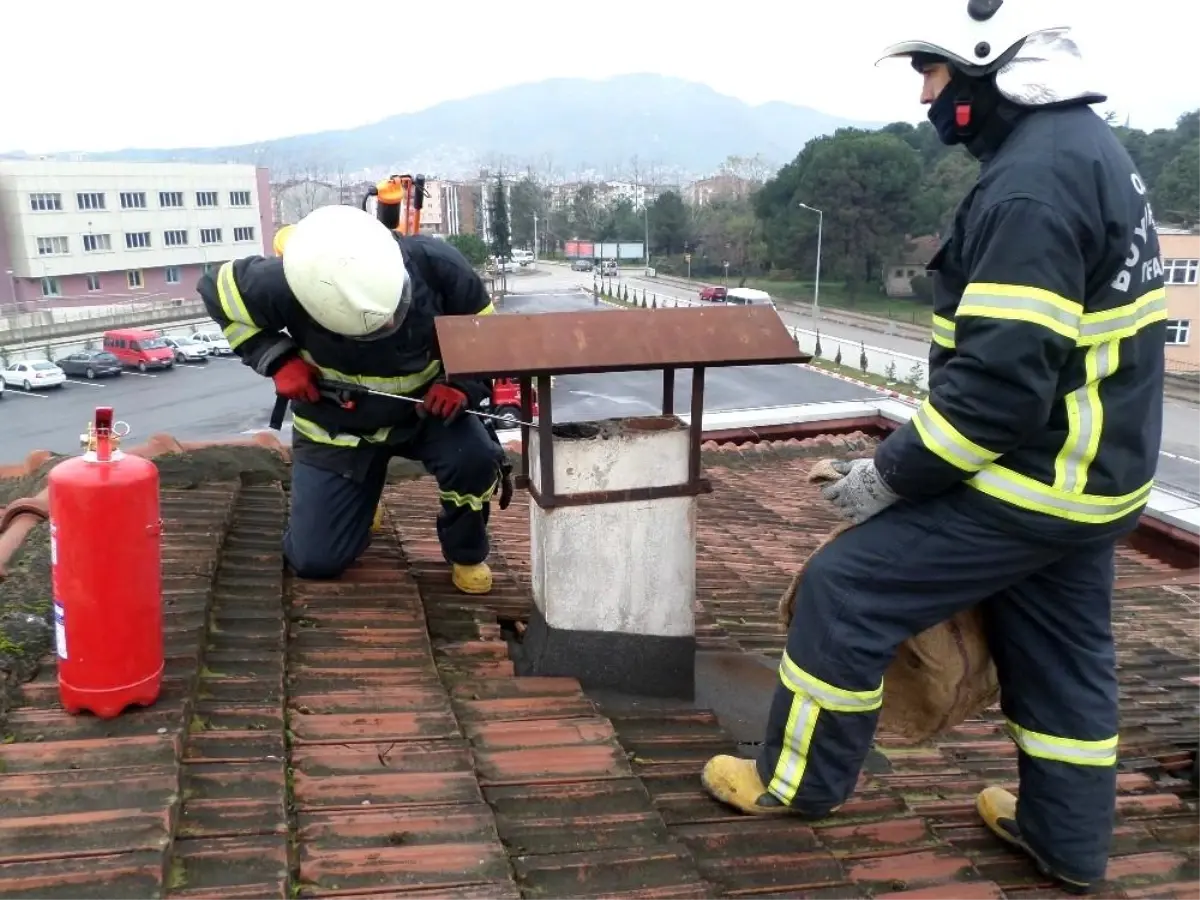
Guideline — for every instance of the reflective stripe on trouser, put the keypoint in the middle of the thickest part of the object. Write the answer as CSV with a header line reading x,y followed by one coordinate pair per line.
x,y
1048,613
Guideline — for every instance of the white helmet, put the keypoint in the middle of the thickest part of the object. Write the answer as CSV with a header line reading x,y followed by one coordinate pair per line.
x,y
347,270
976,36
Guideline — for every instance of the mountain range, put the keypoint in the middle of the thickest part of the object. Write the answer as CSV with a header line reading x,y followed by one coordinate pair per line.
x,y
571,126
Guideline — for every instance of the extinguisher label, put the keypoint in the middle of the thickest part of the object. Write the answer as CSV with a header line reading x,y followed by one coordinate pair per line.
x,y
60,631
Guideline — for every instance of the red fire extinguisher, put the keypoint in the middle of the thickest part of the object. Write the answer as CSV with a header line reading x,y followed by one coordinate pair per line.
x,y
105,551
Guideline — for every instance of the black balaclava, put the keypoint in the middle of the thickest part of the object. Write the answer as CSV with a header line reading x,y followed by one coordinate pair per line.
x,y
969,110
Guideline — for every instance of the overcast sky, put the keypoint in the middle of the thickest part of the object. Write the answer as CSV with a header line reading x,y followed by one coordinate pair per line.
x,y
88,75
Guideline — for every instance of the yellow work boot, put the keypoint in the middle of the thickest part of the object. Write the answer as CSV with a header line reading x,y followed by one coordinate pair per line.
x,y
998,809
377,522
735,781
476,579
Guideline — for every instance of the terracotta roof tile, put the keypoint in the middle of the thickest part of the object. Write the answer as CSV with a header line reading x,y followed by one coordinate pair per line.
x,y
368,737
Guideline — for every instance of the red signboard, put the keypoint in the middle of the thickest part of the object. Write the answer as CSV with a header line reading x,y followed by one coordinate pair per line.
x,y
586,250
571,248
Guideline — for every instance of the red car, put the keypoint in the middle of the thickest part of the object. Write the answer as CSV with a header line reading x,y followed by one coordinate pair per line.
x,y
713,294
506,399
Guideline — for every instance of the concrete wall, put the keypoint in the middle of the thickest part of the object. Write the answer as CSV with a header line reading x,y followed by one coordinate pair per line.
x,y
61,338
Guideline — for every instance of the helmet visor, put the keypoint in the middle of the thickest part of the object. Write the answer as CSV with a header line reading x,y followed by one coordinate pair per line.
x,y
392,325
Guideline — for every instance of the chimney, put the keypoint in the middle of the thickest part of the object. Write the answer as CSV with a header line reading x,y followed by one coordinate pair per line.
x,y
612,510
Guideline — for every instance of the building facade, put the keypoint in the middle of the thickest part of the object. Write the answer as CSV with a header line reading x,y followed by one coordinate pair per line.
x,y
84,232
1181,265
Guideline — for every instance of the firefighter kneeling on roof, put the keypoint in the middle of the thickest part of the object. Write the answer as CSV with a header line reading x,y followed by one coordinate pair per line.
x,y
1010,486
358,304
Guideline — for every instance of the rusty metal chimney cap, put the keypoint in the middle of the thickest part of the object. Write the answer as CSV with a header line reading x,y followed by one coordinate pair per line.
x,y
570,343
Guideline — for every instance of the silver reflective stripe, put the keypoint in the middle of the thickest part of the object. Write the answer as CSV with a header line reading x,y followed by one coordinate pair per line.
x,y
1085,415
793,755
1022,491
943,332
1022,304
1124,321
829,697
943,439
1066,750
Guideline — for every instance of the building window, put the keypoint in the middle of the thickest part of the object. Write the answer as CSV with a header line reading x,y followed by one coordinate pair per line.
x,y
1178,331
175,238
210,235
206,198
133,199
244,233
172,274
93,282
96,243
137,240
134,279
239,198
1181,271
170,199
53,246
93,200
50,287
45,203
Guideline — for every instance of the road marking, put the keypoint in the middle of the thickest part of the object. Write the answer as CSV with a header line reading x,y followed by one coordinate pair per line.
x,y
85,383
189,365
141,374
1195,462
11,391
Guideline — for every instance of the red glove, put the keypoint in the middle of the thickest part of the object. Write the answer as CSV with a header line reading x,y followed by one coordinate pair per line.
x,y
444,401
296,379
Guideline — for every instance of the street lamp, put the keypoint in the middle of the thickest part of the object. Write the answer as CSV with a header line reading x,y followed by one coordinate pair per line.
x,y
646,247
816,305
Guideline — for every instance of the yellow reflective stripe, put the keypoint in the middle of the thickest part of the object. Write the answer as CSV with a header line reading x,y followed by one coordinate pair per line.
x,y
793,754
827,696
487,310
947,442
399,384
475,501
1025,493
1085,419
810,696
1123,321
1066,750
1019,303
234,308
315,432
943,332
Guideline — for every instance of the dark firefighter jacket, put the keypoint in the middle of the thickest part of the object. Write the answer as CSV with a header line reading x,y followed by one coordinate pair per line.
x,y
1046,365
250,299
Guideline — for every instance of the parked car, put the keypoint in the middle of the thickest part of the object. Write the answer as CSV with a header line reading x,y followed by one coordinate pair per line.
x,y
215,341
713,294
139,348
90,364
609,268
506,400
34,375
581,265
188,349
748,297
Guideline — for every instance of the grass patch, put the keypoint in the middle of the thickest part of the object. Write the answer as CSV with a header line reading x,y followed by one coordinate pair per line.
x,y
879,381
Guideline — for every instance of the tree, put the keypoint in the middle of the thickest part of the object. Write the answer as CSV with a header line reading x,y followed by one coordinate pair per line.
x,y
670,225
526,200
942,188
587,215
471,246
501,238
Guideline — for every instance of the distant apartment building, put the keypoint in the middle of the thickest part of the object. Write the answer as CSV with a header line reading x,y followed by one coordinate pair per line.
x,y
718,187
460,207
899,274
102,232
1181,262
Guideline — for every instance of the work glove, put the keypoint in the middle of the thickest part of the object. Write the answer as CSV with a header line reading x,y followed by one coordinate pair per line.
x,y
297,380
444,402
860,493
506,484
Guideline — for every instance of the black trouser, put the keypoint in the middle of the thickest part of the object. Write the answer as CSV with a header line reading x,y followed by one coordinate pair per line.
x,y
1048,617
335,492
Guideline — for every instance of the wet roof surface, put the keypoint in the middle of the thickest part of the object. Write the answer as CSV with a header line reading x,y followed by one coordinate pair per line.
x,y
367,737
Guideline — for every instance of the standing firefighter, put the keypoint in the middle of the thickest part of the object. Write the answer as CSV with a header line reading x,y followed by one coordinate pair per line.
x,y
1032,456
358,304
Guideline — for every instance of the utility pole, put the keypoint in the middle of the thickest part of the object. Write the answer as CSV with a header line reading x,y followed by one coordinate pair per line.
x,y
535,240
816,305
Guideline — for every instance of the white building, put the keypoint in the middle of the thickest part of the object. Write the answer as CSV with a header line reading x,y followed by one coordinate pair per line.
x,y
95,232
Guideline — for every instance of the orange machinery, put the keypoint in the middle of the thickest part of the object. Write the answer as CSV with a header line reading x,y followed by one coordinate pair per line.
x,y
399,202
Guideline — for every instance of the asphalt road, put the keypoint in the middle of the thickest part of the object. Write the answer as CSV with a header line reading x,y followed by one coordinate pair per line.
x,y
224,399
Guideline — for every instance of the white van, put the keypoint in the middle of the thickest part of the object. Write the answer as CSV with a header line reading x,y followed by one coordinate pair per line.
x,y
748,297
522,257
